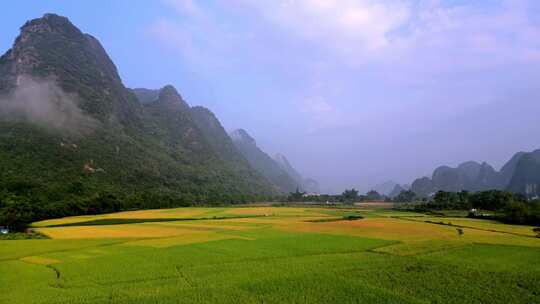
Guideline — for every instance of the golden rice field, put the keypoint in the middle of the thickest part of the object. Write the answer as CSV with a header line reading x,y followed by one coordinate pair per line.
x,y
271,255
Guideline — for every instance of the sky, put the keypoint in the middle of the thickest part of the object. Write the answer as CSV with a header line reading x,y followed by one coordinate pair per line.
x,y
353,92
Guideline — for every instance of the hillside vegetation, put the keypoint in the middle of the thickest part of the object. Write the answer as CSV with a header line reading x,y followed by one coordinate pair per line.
x,y
74,140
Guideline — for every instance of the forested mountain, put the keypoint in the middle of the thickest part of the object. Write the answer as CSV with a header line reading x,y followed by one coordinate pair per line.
x,y
224,147
521,174
71,133
263,163
284,164
308,185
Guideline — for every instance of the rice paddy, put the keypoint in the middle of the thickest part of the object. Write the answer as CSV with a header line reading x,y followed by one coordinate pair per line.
x,y
271,255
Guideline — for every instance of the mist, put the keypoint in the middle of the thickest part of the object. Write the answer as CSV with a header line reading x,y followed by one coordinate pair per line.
x,y
43,103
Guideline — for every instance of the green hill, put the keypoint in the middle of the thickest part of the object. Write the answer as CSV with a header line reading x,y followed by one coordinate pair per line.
x,y
74,140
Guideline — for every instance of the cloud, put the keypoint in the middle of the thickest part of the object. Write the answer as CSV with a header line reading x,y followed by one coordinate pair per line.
x,y
186,7
43,103
429,36
361,31
321,113
474,35
343,25
193,34
435,52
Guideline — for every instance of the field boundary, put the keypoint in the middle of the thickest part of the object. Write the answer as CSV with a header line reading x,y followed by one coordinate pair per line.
x,y
463,226
125,221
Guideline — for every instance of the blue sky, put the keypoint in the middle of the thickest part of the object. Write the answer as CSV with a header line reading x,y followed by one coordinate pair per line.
x,y
353,92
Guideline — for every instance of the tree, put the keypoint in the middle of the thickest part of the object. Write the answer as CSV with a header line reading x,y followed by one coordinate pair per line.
x,y
517,212
17,213
296,196
350,196
491,200
373,195
405,196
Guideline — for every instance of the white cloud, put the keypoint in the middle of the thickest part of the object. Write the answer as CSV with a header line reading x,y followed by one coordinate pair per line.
x,y
193,35
431,48
346,26
361,31
186,7
355,32
322,114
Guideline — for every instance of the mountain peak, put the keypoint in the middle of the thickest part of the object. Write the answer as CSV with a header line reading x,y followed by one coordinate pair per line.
x,y
206,119
51,47
241,135
169,91
51,23
169,95
470,163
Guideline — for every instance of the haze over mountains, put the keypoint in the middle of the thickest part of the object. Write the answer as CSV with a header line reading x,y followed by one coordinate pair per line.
x,y
68,121
308,185
262,162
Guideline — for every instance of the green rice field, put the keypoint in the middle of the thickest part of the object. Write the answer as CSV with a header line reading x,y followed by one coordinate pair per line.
x,y
271,255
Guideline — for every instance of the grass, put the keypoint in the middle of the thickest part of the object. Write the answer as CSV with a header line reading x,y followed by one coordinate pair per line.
x,y
274,255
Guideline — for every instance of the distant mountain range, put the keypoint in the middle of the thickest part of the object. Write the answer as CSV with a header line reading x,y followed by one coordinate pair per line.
x,y
521,174
308,185
278,171
68,122
390,188
398,189
385,188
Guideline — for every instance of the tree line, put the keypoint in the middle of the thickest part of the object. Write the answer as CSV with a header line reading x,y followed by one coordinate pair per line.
x,y
500,205
349,196
22,203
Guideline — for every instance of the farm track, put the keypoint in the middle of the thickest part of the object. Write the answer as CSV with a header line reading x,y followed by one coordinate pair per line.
x,y
464,226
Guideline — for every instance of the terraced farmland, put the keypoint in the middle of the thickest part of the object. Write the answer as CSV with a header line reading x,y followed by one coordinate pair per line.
x,y
271,255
